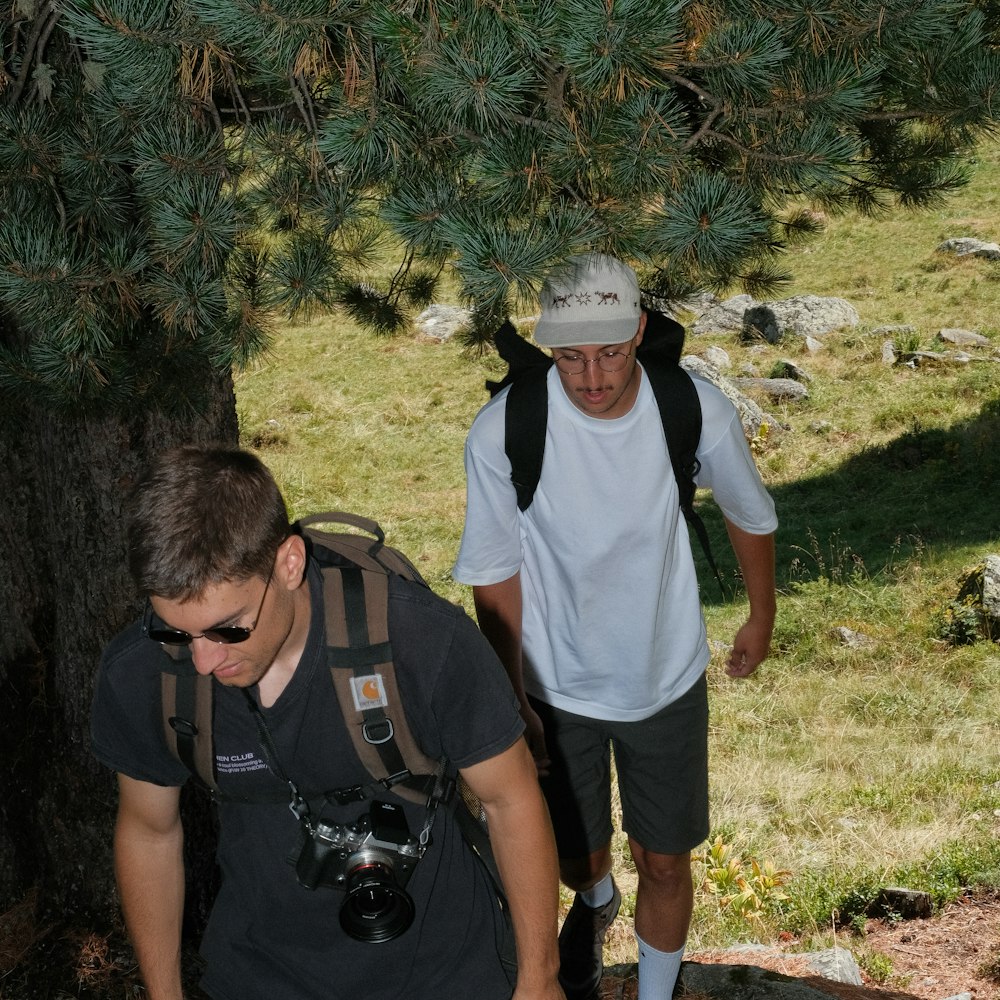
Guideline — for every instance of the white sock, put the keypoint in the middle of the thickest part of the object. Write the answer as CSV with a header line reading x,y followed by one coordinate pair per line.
x,y
658,971
598,895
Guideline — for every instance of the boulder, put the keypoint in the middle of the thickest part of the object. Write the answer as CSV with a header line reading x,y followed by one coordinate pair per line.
x,y
963,338
981,590
441,323
801,315
966,246
781,390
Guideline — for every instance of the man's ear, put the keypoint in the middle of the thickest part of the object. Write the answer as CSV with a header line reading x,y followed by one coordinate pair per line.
x,y
290,562
642,327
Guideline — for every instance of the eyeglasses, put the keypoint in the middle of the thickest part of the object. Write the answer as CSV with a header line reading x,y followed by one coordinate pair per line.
x,y
609,361
227,634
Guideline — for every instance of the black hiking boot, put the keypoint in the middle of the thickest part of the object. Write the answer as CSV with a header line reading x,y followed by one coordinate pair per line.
x,y
581,946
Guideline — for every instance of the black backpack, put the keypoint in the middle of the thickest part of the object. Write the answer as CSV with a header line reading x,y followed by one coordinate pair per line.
x,y
356,570
675,394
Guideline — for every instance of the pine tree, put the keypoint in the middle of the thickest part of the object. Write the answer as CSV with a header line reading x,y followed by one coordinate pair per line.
x,y
177,175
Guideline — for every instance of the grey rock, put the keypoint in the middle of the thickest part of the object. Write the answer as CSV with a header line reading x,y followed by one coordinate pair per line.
x,y
966,246
744,982
801,315
814,346
751,415
981,590
441,323
853,640
963,338
779,389
960,996
889,352
726,317
991,586
789,369
718,356
837,964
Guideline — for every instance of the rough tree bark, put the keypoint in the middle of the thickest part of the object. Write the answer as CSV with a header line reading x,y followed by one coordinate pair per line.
x,y
64,592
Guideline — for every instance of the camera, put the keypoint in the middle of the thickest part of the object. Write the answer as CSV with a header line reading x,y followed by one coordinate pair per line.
x,y
371,860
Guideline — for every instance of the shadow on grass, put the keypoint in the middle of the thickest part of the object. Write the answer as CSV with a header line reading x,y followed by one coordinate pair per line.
x,y
929,490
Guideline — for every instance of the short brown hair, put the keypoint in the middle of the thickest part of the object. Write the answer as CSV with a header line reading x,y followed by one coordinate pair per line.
x,y
202,516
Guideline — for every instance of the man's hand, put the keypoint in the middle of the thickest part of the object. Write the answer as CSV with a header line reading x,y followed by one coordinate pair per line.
x,y
750,648
534,736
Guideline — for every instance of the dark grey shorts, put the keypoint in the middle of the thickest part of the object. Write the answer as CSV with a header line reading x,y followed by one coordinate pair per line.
x,y
662,767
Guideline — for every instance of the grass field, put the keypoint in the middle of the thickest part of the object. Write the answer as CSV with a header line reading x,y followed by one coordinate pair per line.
x,y
834,769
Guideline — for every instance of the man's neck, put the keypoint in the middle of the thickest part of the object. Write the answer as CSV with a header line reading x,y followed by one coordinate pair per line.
x,y
280,673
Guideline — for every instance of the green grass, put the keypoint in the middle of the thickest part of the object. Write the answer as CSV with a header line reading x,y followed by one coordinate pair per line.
x,y
849,768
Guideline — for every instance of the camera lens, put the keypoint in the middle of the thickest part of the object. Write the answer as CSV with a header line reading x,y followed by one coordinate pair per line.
x,y
375,909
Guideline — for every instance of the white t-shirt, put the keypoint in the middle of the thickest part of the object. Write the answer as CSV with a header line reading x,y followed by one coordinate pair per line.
x,y
612,624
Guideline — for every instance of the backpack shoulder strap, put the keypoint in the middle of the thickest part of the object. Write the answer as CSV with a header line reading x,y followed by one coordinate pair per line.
x,y
186,699
680,413
359,655
525,420
526,409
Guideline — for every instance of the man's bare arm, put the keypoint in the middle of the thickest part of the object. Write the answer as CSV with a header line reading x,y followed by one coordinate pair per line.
x,y
755,554
525,852
149,866
498,611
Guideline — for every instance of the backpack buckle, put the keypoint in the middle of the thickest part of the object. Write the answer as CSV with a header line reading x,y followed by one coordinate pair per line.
x,y
377,731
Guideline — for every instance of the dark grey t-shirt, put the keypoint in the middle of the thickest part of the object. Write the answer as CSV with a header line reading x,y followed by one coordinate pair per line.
x,y
268,937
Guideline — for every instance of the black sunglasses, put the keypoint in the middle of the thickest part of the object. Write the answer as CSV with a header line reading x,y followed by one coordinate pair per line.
x,y
227,634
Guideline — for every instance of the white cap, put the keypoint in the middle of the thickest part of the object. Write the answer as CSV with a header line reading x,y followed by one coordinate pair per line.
x,y
592,299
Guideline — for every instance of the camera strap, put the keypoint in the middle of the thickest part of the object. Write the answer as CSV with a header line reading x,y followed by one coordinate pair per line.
x,y
298,805
441,791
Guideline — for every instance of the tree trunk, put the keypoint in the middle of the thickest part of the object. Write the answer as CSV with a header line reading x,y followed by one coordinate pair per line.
x,y
64,592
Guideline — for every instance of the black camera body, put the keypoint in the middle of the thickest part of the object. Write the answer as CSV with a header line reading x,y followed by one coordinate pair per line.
x,y
371,860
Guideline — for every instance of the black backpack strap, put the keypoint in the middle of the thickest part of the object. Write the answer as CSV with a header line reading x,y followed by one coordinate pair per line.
x,y
680,413
525,419
521,356
526,409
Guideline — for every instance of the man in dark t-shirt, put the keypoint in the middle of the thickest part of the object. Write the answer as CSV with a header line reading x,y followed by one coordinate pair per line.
x,y
211,548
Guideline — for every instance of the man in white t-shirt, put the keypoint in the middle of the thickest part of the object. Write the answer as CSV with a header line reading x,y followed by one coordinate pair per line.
x,y
590,598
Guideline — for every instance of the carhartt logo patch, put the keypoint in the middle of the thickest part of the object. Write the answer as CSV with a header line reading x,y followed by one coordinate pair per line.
x,y
368,692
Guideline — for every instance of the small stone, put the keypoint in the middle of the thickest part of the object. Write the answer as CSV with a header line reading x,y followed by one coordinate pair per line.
x,y
837,964
853,640
718,356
